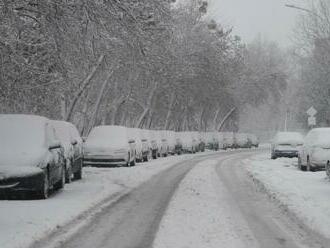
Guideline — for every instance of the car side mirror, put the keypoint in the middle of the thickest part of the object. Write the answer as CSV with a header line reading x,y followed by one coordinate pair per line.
x,y
55,145
74,142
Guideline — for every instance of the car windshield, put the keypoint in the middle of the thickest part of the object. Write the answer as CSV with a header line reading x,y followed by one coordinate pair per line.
x,y
321,138
21,134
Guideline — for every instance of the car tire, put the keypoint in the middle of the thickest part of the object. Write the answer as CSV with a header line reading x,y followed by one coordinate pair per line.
x,y
44,192
327,169
132,163
68,171
309,167
60,184
78,174
273,156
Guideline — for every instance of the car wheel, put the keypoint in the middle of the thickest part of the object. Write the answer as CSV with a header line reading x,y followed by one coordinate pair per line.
x,y
44,192
273,156
309,167
68,171
60,184
78,175
132,163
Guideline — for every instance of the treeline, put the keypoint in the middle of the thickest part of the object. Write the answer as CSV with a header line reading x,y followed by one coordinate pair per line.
x,y
139,63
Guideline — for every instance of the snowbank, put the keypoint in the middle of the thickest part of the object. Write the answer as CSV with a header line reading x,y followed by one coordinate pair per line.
x,y
199,214
22,222
305,194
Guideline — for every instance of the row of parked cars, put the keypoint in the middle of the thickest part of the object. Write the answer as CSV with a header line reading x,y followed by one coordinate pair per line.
x,y
312,151
38,155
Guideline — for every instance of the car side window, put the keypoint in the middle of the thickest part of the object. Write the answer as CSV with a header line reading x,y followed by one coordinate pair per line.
x,y
51,134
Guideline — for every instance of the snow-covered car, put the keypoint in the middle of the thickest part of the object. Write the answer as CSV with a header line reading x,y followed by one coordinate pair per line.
x,y
286,144
178,144
161,143
253,140
241,140
188,143
31,156
136,135
72,144
315,152
146,145
108,146
171,141
202,142
154,143
228,140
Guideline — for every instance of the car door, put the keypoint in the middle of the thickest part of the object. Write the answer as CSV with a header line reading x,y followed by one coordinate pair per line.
x,y
56,155
77,148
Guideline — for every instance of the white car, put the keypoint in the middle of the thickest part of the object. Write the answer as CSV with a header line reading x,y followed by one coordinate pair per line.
x,y
286,144
31,156
315,152
241,140
136,135
228,140
171,141
109,145
72,144
188,144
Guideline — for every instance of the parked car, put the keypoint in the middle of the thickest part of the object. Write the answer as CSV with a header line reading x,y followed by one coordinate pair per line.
x,y
188,144
165,149
171,141
241,140
178,144
201,142
136,135
31,156
109,146
154,143
253,140
315,152
286,144
72,144
146,145
228,140
161,143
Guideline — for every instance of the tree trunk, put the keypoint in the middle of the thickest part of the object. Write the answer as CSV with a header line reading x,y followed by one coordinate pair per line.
x,y
169,112
83,86
98,101
225,119
148,106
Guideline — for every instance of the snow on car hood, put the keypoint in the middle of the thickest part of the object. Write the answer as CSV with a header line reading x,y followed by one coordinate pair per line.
x,y
18,171
15,158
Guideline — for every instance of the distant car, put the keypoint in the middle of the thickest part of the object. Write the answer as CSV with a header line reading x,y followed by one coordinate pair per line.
x,y
146,145
286,144
109,146
253,140
315,152
171,141
31,156
73,152
178,145
228,140
154,143
188,142
136,135
241,140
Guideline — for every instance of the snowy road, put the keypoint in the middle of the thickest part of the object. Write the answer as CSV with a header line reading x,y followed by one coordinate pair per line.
x,y
208,201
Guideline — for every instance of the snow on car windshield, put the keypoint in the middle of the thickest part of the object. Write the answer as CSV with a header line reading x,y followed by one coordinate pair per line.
x,y
108,134
21,133
289,138
320,137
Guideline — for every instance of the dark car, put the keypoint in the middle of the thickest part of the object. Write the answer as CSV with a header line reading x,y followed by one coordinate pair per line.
x,y
31,156
286,144
73,153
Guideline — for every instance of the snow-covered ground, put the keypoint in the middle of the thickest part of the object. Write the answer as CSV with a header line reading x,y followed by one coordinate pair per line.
x,y
22,222
306,194
200,214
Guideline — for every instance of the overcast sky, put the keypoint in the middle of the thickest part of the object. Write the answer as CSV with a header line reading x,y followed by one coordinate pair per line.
x,y
270,18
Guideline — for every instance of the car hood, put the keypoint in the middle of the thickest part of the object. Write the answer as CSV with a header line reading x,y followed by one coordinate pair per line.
x,y
32,158
7,172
